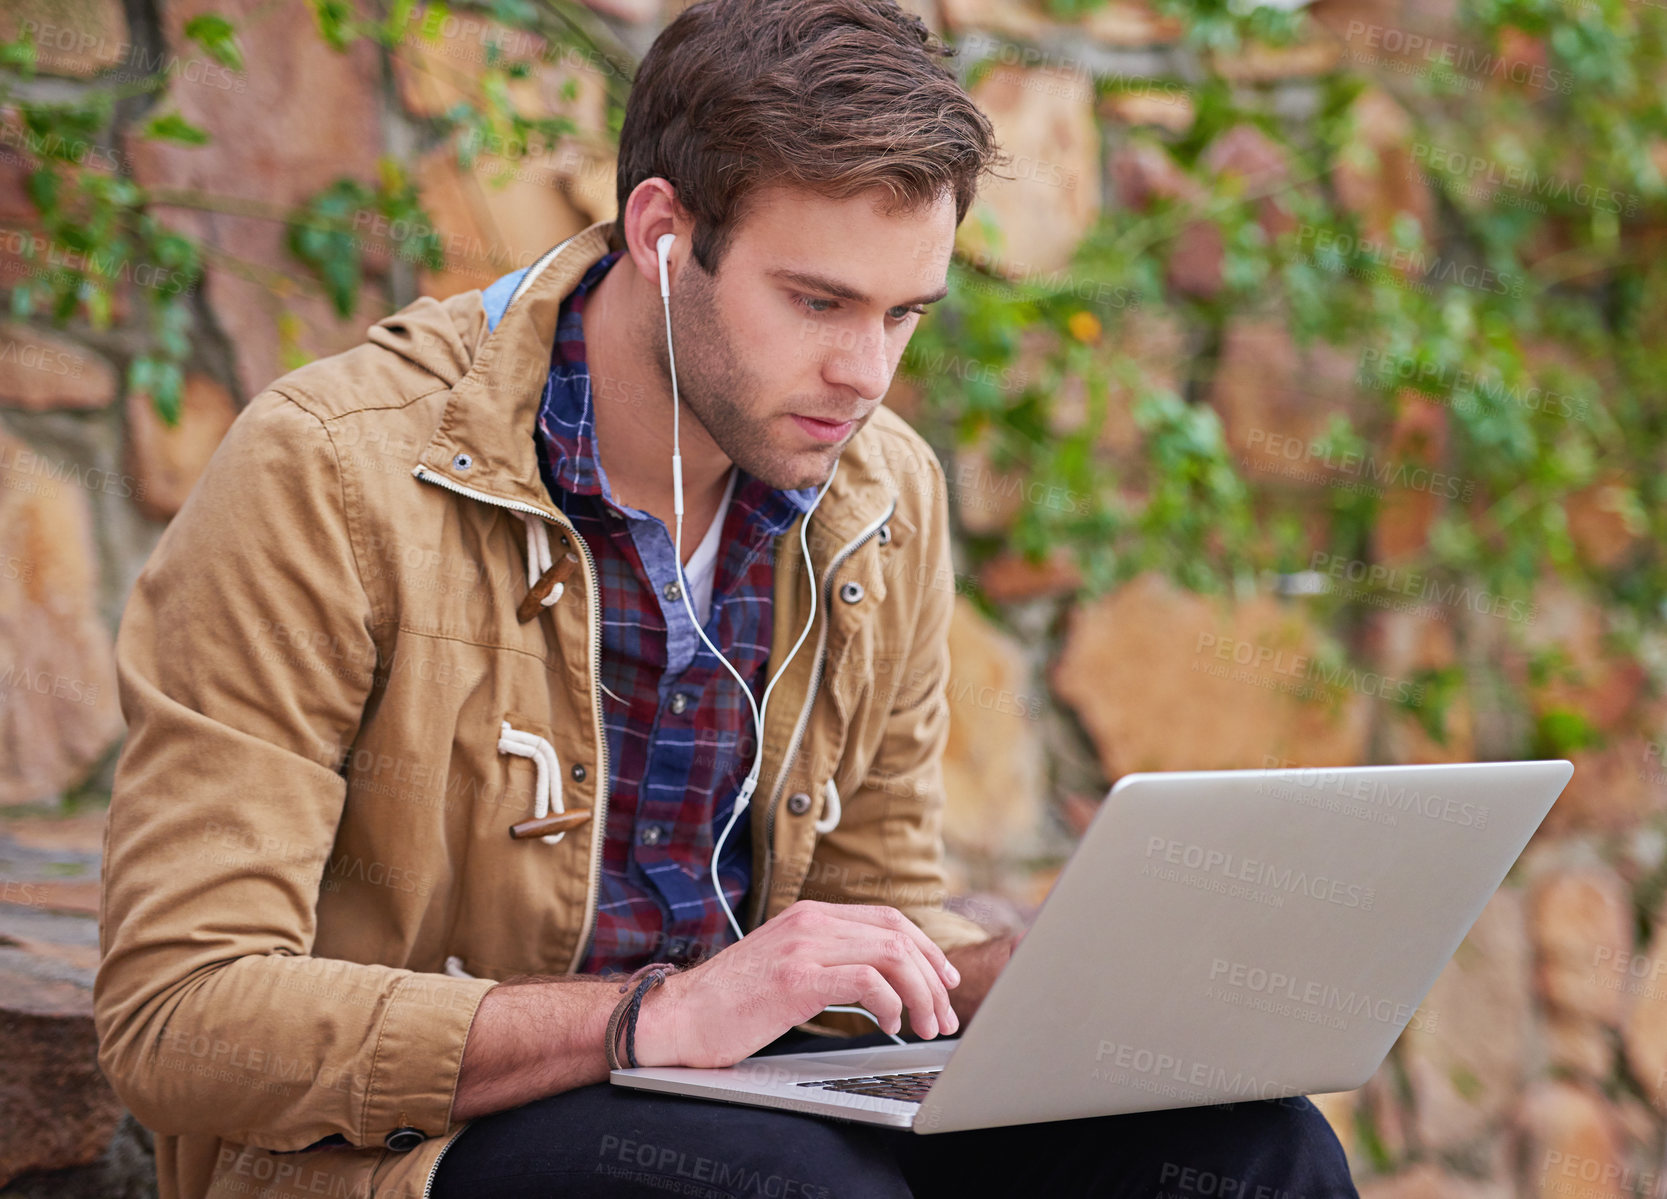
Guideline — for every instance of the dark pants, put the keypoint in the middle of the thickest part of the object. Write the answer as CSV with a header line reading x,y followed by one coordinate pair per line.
x,y
605,1140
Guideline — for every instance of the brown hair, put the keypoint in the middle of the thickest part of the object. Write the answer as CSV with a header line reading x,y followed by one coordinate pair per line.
x,y
834,96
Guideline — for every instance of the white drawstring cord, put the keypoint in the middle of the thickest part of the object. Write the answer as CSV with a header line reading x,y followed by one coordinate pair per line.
x,y
540,557
830,810
543,754
454,967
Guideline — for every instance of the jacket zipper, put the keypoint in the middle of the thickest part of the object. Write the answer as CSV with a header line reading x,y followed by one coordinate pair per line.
x,y
428,1184
599,820
839,560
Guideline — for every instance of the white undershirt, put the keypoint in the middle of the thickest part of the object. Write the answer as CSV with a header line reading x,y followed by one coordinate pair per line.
x,y
702,567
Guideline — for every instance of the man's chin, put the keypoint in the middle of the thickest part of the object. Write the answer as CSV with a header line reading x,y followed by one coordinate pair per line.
x,y
794,472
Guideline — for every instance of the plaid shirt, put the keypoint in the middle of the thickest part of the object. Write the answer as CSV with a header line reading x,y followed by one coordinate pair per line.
x,y
680,735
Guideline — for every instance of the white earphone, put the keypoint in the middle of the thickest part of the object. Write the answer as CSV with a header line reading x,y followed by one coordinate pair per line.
x,y
750,784
662,246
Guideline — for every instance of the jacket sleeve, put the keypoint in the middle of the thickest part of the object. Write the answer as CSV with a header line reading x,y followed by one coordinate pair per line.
x,y
245,659
888,845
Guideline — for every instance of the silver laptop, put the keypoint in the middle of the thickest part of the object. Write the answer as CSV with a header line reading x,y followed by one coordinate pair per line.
x,y
1217,936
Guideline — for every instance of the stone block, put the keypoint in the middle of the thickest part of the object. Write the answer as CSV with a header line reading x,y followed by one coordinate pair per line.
x,y
168,459
42,372
1048,196
1573,1143
300,117
490,226
58,705
72,37
1276,402
1464,1052
993,770
1142,669
1581,921
1378,178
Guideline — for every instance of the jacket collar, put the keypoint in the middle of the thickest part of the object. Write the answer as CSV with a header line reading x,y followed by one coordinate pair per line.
x,y
484,440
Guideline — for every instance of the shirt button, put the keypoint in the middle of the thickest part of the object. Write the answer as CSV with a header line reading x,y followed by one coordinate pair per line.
x,y
651,834
578,772
673,591
402,1140
798,803
679,702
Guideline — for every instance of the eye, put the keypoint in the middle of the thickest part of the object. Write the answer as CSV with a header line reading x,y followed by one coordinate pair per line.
x,y
903,310
808,304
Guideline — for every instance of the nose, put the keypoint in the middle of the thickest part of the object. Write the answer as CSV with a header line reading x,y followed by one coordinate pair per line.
x,y
863,364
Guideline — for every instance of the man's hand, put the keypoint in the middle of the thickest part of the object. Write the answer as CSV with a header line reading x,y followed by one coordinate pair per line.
x,y
979,964
812,956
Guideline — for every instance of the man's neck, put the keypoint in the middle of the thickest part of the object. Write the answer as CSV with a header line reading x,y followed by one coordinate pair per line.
x,y
633,409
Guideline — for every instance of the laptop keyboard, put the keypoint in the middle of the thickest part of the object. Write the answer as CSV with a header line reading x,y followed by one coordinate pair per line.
x,y
905,1088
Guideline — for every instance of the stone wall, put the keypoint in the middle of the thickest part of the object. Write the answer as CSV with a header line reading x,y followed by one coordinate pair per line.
x,y
1539,1064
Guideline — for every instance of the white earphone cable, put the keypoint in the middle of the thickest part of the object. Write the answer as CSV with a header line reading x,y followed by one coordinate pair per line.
x,y
744,796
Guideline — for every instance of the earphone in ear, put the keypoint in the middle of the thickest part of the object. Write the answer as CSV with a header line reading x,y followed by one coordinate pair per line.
x,y
662,246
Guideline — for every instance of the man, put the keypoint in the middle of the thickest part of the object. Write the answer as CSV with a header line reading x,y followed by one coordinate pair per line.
x,y
430,588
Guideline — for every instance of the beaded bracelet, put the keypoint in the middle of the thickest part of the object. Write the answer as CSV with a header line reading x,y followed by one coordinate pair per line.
x,y
626,1010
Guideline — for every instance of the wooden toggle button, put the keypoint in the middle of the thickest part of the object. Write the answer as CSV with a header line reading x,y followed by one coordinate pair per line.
x,y
534,599
542,826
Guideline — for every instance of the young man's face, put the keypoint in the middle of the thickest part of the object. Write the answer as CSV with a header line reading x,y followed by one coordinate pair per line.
x,y
788,349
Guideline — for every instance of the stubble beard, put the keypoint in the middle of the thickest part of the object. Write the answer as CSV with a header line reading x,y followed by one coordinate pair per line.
x,y
724,395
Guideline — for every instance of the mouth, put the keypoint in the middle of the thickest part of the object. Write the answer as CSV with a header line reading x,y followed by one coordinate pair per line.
x,y
825,430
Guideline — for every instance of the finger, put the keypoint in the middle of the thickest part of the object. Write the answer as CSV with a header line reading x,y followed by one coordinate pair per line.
x,y
900,960
862,984
889,917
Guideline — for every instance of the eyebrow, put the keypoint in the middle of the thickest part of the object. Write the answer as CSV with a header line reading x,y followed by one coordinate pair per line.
x,y
845,291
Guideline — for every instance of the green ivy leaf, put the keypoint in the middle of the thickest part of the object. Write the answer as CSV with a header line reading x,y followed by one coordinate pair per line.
x,y
171,127
335,22
215,34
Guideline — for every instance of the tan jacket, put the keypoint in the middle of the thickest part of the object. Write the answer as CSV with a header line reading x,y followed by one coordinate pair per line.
x,y
331,701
